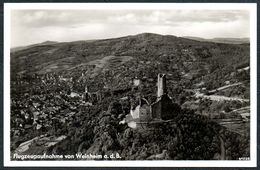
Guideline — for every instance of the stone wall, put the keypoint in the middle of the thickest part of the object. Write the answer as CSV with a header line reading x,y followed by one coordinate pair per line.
x,y
164,108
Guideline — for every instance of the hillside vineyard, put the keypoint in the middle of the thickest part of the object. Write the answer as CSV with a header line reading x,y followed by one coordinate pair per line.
x,y
141,97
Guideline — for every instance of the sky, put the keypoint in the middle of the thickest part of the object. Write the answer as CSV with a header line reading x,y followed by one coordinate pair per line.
x,y
36,26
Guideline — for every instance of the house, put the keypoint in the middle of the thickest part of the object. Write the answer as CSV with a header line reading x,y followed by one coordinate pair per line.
x,y
92,97
136,82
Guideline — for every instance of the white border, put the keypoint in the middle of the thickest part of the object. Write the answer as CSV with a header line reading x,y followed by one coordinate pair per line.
x,y
251,7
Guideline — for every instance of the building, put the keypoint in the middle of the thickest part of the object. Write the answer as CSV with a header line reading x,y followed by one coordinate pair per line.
x,y
162,109
142,112
92,97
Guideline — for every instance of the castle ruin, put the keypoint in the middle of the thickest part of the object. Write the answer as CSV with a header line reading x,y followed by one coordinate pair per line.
x,y
162,109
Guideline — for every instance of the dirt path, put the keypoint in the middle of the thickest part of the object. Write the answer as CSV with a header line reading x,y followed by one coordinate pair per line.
x,y
225,87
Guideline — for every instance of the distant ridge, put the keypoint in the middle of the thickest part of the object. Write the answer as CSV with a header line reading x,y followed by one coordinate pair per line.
x,y
15,49
221,40
146,35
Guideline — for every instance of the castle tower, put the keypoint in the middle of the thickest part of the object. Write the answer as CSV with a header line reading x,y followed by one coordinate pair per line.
x,y
86,89
161,85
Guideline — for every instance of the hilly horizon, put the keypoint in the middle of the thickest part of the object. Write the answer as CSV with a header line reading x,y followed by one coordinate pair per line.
x,y
231,40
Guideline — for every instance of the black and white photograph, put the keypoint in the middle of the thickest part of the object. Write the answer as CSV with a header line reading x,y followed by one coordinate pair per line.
x,y
111,83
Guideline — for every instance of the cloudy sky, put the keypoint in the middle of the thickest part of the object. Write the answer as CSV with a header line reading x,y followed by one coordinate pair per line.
x,y
34,26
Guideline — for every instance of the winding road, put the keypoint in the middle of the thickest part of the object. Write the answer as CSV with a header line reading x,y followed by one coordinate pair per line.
x,y
198,94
